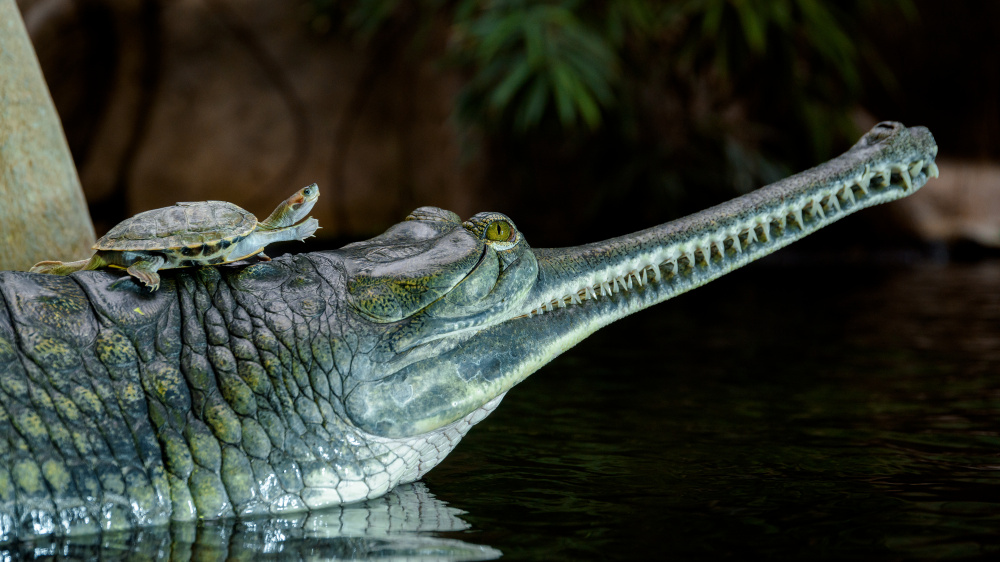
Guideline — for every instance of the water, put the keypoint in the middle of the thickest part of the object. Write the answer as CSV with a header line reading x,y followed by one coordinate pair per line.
x,y
757,417
795,413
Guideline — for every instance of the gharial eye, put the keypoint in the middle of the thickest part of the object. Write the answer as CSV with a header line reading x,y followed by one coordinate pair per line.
x,y
495,229
499,231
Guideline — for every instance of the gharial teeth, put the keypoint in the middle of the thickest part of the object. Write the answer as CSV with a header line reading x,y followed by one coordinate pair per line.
x,y
904,174
798,217
835,202
850,195
864,182
817,209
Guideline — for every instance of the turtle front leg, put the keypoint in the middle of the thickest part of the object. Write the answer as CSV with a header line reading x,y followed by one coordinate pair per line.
x,y
253,244
306,229
145,270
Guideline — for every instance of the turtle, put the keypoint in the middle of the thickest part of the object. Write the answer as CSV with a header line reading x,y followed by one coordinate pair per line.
x,y
194,234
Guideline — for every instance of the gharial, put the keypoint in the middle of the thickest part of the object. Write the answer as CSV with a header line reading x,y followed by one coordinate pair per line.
x,y
193,234
330,377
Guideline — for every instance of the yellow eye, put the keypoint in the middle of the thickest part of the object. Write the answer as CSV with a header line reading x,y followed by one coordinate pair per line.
x,y
499,231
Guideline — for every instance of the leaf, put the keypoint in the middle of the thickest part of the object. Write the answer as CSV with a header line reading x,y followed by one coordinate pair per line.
x,y
533,107
588,109
753,27
596,79
510,85
563,84
534,43
713,18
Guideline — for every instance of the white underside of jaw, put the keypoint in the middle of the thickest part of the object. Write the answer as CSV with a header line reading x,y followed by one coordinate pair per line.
x,y
743,241
387,462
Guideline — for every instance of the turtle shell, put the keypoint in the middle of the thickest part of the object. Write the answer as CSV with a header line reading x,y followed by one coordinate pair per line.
x,y
195,229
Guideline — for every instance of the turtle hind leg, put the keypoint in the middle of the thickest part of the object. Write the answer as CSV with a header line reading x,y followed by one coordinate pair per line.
x,y
145,271
65,268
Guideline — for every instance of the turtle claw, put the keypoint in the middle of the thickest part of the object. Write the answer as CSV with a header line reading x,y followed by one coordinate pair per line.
x,y
151,281
145,271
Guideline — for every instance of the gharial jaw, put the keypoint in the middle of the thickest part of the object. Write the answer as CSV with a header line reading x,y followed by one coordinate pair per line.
x,y
691,251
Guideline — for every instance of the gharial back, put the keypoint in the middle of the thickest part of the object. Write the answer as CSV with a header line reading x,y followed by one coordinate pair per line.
x,y
184,224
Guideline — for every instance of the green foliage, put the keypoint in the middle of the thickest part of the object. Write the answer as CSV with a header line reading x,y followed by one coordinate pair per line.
x,y
529,58
530,63
808,53
677,93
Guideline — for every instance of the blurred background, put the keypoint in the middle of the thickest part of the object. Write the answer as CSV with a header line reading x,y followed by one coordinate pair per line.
x,y
581,120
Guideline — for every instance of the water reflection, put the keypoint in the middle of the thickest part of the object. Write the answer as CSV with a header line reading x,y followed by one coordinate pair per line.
x,y
402,525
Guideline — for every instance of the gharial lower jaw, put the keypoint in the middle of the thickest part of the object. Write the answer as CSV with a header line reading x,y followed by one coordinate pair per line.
x,y
728,247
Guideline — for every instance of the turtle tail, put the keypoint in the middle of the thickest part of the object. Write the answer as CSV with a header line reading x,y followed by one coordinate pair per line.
x,y
65,268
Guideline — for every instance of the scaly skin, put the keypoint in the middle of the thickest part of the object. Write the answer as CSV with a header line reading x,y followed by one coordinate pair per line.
x,y
327,378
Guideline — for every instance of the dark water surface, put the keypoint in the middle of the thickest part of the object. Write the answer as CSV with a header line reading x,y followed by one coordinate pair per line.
x,y
782,412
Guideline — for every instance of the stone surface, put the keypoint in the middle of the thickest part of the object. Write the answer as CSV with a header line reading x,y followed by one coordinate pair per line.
x,y
43,214
963,206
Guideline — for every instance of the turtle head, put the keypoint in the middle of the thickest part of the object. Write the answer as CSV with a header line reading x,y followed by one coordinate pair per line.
x,y
293,209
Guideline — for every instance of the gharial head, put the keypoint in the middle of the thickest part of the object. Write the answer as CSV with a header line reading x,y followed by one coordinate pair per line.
x,y
434,266
463,311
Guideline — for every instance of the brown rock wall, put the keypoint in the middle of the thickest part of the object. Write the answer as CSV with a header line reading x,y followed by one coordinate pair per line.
x,y
241,101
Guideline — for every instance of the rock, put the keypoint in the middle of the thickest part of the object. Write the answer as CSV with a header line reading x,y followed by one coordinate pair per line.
x,y
963,205
43,214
